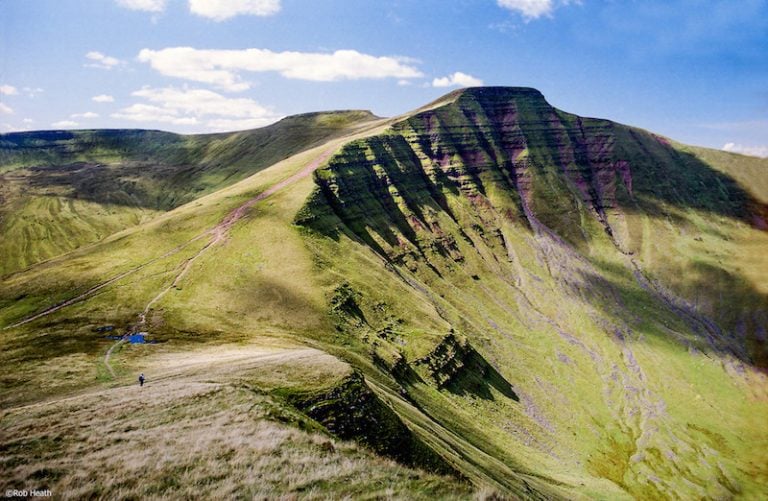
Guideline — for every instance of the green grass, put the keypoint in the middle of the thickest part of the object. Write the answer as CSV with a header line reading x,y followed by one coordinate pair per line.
x,y
62,190
209,433
569,330
561,362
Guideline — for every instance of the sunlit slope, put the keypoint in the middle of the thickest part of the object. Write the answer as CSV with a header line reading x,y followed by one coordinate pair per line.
x,y
261,282
143,261
63,189
579,299
552,305
208,423
242,292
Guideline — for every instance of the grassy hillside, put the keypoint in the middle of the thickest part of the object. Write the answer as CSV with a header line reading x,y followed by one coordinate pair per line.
x,y
60,190
544,305
590,298
243,437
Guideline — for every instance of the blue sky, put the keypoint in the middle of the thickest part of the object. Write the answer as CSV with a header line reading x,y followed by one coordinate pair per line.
x,y
694,70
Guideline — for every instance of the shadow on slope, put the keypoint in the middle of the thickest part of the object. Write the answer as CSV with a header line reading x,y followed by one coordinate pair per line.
x,y
663,174
162,170
733,326
577,176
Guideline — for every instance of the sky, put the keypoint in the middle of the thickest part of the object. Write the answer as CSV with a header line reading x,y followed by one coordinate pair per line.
x,y
692,70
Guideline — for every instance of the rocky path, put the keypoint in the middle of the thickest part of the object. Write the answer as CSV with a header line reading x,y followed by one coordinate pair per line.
x,y
217,234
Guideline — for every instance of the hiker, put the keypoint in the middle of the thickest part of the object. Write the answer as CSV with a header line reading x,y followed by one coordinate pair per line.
x,y
141,379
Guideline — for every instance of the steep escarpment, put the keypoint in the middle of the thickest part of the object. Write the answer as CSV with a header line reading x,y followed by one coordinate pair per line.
x,y
556,290
552,167
499,156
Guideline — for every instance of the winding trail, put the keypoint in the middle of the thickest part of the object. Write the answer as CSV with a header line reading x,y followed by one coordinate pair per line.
x,y
109,354
218,232
221,230
96,288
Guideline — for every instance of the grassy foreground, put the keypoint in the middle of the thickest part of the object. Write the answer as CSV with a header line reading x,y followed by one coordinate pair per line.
x,y
208,424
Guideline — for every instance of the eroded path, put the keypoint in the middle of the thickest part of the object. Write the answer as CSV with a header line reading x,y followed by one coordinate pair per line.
x,y
217,234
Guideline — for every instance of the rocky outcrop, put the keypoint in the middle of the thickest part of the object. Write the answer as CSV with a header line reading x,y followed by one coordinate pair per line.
x,y
351,411
494,160
508,151
579,268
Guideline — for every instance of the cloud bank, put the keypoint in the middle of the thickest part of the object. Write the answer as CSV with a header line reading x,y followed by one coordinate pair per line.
x,y
755,151
103,98
196,107
223,68
218,10
64,124
533,9
102,61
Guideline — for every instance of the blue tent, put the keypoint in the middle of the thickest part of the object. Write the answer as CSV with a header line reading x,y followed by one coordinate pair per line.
x,y
137,338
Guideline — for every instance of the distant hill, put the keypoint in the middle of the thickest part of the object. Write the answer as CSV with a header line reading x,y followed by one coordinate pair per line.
x,y
63,189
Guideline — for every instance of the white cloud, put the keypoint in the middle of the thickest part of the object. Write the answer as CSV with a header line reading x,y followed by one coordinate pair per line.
x,y
534,9
103,98
458,79
531,9
203,102
145,5
193,106
8,90
5,109
221,10
32,91
28,121
87,114
148,113
102,61
221,67
64,124
755,151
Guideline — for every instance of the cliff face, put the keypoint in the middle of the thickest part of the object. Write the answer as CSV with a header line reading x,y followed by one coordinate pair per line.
x,y
537,165
585,261
499,158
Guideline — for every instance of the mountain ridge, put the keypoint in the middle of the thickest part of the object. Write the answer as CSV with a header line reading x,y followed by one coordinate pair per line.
x,y
556,306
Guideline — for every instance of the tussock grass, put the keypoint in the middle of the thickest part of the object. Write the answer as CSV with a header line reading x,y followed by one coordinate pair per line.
x,y
185,437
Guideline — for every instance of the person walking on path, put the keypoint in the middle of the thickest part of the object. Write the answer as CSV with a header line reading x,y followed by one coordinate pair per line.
x,y
141,379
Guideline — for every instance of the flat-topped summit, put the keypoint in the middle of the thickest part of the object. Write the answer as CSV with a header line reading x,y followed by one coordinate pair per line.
x,y
500,91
